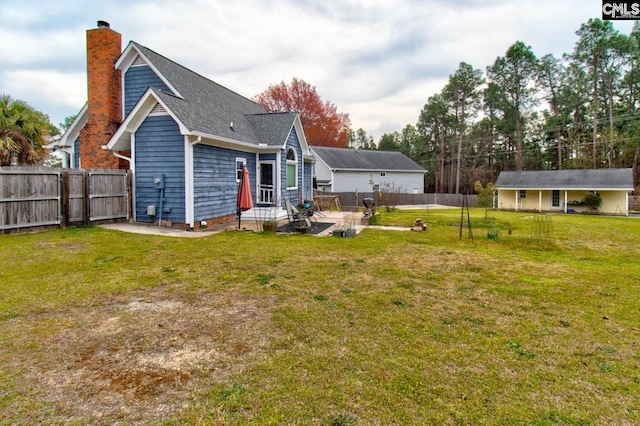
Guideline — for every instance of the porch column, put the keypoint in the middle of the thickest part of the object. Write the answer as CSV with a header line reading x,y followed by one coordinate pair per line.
x,y
517,198
540,200
626,208
566,193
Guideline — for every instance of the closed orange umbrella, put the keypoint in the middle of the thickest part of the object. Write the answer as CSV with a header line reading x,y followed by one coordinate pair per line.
x,y
245,200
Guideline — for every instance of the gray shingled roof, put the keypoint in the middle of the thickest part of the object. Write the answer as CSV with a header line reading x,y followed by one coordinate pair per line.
x,y
588,179
359,159
272,128
210,108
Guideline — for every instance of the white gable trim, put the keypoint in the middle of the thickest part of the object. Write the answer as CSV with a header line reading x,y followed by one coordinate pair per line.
x,y
317,157
72,132
302,139
130,55
120,141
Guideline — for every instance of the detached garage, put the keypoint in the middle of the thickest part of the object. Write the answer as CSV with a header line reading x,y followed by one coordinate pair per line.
x,y
558,190
351,170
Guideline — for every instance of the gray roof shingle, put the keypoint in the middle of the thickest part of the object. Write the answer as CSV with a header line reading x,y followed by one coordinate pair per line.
x,y
206,107
588,179
272,128
359,159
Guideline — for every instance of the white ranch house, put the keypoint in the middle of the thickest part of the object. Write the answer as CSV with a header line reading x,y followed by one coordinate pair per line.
x,y
554,190
357,170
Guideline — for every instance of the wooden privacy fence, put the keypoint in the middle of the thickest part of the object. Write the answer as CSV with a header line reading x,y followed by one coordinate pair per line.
x,y
35,197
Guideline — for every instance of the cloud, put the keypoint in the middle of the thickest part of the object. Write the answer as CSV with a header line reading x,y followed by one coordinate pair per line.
x,y
47,90
376,60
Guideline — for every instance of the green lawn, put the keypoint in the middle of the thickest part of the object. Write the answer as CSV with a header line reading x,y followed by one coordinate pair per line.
x,y
539,324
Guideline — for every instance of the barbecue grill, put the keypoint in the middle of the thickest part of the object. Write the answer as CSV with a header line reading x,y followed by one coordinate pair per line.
x,y
369,204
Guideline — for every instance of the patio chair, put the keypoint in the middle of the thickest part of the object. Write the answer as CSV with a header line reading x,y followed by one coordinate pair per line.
x,y
298,221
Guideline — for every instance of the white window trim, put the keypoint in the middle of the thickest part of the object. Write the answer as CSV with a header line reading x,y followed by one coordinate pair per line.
x,y
244,164
293,162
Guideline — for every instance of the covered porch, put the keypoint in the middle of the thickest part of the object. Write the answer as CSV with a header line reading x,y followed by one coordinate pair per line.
x,y
561,190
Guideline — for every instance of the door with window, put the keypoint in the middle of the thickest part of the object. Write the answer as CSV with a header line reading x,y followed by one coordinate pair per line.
x,y
267,184
555,199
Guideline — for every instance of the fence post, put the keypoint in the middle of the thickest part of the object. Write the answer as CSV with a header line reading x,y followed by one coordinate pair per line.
x,y
86,176
64,199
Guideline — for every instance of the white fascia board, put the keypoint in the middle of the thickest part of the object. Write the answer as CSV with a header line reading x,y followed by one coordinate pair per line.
x,y
317,157
213,140
379,171
120,141
128,57
73,131
302,138
515,188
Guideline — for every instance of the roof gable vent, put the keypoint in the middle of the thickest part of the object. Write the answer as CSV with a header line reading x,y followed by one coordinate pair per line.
x,y
158,110
138,62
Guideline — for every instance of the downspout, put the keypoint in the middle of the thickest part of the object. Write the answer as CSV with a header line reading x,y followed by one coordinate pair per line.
x,y
115,153
333,180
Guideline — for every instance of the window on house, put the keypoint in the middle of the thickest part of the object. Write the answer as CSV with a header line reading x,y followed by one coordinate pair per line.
x,y
555,198
523,193
292,168
240,163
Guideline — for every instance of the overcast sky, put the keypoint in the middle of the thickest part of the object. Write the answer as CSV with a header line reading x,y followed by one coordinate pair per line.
x,y
378,61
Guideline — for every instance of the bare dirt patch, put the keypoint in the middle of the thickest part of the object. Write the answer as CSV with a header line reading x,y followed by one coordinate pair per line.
x,y
141,357
66,246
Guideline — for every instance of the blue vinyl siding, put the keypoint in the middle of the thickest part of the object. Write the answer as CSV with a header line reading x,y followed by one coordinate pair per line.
x,y
292,194
136,81
159,149
268,157
214,180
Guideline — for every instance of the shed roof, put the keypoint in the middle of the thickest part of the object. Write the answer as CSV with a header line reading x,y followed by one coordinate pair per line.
x,y
365,160
587,179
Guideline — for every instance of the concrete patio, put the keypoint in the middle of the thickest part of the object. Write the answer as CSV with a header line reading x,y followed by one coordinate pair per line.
x,y
253,222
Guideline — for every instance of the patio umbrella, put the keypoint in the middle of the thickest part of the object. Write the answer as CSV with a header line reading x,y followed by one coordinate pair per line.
x,y
245,201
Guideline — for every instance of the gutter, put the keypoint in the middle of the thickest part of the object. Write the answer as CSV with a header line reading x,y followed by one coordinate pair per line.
x,y
117,155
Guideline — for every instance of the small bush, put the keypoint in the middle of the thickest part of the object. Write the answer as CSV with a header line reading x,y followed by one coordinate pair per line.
x,y
592,200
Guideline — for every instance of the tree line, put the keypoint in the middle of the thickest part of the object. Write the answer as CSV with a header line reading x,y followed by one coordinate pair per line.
x,y
522,112
528,113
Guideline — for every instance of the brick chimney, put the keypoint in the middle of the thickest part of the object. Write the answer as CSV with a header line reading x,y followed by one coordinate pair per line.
x,y
104,89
